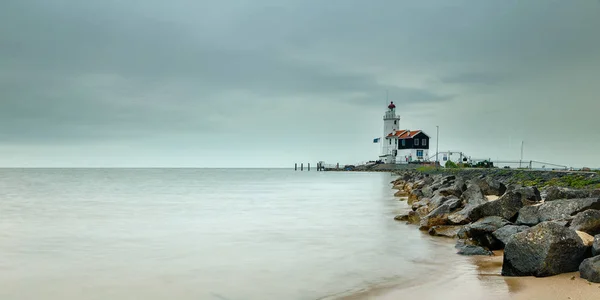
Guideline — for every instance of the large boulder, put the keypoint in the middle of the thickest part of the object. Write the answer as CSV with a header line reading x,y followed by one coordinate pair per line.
x,y
439,199
544,250
490,186
439,216
415,196
402,217
590,269
445,230
505,233
401,193
468,247
470,198
473,195
440,182
596,245
414,217
420,203
481,232
508,205
556,210
558,193
456,188
587,221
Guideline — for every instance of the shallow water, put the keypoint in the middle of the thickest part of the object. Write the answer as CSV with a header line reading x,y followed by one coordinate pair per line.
x,y
215,234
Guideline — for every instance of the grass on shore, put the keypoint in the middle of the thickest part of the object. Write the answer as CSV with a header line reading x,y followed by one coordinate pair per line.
x,y
529,178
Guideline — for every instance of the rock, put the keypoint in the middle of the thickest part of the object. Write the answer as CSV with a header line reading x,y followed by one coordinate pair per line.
x,y
508,205
529,193
445,230
505,233
528,215
471,198
401,193
415,196
587,221
556,210
490,186
544,250
413,217
473,195
401,217
590,269
587,239
438,200
466,247
420,203
398,186
481,232
439,216
563,222
596,245
559,193
456,189
460,217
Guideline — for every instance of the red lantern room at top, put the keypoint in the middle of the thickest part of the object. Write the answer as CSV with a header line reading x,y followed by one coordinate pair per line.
x,y
392,105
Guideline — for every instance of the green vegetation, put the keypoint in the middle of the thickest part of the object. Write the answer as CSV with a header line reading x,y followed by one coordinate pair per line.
x,y
451,165
426,169
578,181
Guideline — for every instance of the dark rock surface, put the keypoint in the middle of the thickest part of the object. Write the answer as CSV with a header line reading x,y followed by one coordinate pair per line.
x,y
466,247
439,216
481,232
556,210
544,250
505,233
596,245
558,193
445,230
508,205
587,221
401,217
413,217
420,203
490,186
473,195
590,269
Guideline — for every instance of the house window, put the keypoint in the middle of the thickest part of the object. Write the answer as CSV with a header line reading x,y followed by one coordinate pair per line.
x,y
390,141
416,142
424,142
403,142
419,153
395,122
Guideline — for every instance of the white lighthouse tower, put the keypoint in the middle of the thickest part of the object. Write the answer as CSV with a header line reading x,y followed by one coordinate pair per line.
x,y
391,123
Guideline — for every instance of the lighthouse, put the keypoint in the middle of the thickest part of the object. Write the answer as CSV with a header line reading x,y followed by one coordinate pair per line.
x,y
391,123
402,146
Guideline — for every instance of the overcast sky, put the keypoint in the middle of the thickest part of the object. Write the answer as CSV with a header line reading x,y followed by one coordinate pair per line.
x,y
266,83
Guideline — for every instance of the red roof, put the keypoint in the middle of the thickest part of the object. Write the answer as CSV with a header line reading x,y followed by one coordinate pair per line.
x,y
404,134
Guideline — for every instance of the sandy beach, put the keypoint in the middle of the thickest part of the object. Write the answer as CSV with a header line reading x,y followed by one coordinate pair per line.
x,y
487,284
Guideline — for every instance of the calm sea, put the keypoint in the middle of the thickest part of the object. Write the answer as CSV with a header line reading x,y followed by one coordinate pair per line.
x,y
210,234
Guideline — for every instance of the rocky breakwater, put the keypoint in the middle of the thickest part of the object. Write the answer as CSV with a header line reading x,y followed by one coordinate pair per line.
x,y
543,233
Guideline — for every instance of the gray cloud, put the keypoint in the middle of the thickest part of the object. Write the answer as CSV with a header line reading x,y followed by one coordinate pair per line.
x,y
155,73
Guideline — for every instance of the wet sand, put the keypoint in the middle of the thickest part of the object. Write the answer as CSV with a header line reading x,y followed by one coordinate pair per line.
x,y
485,282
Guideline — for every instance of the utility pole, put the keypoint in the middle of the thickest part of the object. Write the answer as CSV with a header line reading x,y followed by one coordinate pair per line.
x,y
437,145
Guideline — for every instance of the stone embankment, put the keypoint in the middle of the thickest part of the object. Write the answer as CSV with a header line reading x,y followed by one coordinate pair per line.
x,y
544,231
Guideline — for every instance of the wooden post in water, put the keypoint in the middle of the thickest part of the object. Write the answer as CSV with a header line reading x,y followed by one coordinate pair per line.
x,y
296,167
301,166
308,166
